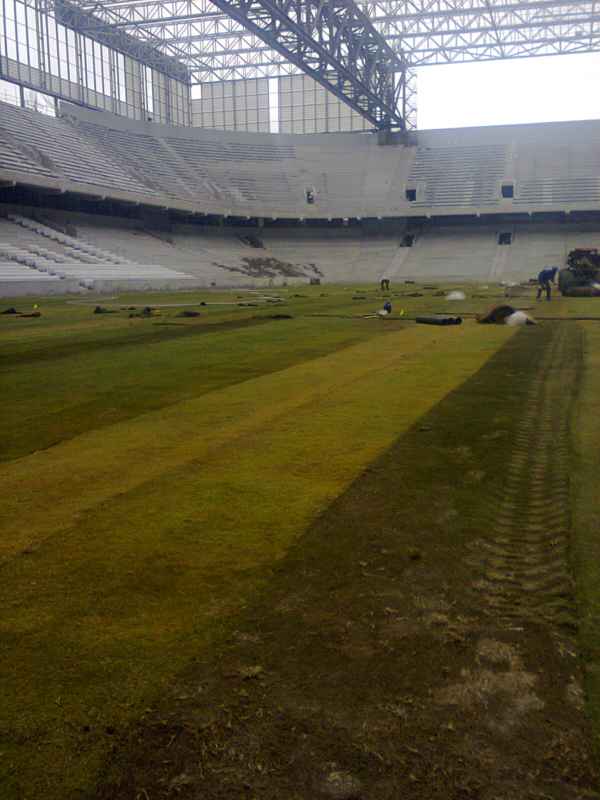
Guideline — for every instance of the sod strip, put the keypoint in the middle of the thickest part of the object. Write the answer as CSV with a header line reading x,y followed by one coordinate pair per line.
x,y
373,665
148,332
586,522
196,505
46,403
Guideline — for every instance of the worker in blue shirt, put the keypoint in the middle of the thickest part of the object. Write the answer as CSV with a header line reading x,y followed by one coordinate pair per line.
x,y
545,279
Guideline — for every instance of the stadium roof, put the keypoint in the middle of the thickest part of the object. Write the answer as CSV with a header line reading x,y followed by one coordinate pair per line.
x,y
365,51
215,45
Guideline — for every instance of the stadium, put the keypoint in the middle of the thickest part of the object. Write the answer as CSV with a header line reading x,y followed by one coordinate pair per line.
x,y
299,429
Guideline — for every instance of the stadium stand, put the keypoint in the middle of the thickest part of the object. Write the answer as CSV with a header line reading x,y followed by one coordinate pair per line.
x,y
23,160
458,176
51,254
472,174
457,254
552,166
109,253
62,151
336,256
211,254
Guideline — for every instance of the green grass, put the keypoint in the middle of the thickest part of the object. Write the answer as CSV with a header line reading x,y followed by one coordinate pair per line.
x,y
71,371
586,520
153,473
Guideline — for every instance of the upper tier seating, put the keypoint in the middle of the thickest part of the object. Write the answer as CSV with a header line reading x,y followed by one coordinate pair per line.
x,y
459,176
23,159
147,159
546,167
63,151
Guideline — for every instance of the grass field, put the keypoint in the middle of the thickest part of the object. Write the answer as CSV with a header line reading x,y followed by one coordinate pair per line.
x,y
163,478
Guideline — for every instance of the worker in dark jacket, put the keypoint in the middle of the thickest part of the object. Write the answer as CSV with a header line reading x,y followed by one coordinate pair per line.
x,y
545,281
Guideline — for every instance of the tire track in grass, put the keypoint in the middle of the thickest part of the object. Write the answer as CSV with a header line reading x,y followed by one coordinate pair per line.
x,y
523,582
585,550
524,563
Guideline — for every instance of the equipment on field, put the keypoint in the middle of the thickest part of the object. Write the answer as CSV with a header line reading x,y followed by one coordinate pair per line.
x,y
581,276
501,314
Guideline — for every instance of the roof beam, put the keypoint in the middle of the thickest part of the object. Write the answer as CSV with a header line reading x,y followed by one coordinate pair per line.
x,y
148,12
193,30
334,43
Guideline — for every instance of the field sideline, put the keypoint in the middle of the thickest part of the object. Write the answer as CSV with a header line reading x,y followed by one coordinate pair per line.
x,y
158,474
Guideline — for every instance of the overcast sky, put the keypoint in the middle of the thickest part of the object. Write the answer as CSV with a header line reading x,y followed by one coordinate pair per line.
x,y
503,92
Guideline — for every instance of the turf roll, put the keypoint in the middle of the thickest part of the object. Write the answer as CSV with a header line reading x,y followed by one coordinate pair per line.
x,y
438,320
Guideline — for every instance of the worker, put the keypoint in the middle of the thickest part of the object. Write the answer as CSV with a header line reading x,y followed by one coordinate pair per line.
x,y
385,284
386,310
545,279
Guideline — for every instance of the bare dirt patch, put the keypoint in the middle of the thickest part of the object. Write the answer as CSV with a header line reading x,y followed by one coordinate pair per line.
x,y
270,267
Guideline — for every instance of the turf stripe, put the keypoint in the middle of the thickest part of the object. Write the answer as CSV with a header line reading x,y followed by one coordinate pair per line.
x,y
55,486
152,332
47,403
